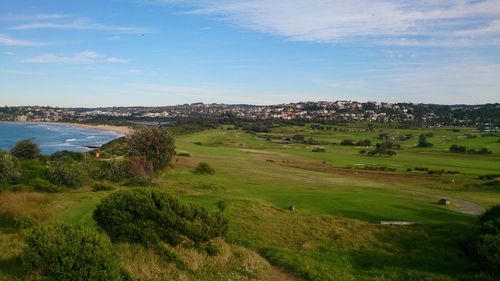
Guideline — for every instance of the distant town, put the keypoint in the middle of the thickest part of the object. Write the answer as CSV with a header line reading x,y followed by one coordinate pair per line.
x,y
487,115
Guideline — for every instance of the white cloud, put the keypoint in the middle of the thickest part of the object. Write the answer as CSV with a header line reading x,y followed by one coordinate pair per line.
x,y
470,81
32,17
19,72
188,91
86,57
80,24
8,41
339,21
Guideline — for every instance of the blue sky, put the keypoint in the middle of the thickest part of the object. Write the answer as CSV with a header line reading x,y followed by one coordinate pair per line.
x,y
165,52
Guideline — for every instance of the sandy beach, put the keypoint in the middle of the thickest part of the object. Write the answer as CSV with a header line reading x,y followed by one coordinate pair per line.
x,y
117,129
123,130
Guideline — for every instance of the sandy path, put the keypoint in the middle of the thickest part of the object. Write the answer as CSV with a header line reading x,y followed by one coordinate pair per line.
x,y
457,204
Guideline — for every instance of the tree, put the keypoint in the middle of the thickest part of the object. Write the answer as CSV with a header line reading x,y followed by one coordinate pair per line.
x,y
153,143
422,141
70,252
26,149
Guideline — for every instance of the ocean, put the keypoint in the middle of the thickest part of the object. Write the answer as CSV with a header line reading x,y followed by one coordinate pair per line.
x,y
53,137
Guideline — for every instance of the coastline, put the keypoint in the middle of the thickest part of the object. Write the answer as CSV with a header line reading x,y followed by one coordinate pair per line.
x,y
121,130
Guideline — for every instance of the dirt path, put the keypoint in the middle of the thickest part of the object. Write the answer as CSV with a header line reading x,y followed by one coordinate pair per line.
x,y
457,204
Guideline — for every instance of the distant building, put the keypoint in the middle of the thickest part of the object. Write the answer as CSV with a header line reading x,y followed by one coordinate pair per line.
x,y
21,118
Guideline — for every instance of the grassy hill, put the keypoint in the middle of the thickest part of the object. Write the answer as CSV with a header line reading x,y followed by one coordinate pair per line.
x,y
339,198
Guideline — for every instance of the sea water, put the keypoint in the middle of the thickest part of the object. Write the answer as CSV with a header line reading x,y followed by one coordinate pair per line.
x,y
53,137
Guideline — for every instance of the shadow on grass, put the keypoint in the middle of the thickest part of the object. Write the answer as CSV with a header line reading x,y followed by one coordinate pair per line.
x,y
435,249
13,269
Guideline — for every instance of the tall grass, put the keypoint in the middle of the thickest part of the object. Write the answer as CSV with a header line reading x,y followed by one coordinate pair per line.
x,y
26,204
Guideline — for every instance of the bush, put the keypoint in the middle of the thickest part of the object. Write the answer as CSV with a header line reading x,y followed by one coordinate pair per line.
x,y
9,172
298,137
65,174
183,154
365,142
318,149
422,140
12,224
113,170
64,252
65,154
148,217
488,242
458,148
347,142
138,167
490,214
42,185
204,169
489,176
153,143
102,187
488,248
26,149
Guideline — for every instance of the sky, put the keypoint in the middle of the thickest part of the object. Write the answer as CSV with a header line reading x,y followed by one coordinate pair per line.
x,y
164,52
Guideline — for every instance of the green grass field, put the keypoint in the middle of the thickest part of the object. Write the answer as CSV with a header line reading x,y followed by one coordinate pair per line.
x,y
334,233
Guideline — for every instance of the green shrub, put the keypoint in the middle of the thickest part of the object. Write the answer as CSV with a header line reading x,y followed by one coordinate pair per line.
x,y
64,252
65,174
31,169
347,142
26,149
183,154
102,187
12,224
9,172
488,241
422,140
489,176
204,169
148,217
65,154
112,170
488,248
42,185
490,214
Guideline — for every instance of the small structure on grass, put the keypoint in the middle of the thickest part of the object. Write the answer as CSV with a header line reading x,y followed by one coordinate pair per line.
x,y
444,202
291,208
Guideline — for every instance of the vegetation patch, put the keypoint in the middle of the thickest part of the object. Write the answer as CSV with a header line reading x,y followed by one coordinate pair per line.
x,y
149,217
64,252
204,168
102,187
12,224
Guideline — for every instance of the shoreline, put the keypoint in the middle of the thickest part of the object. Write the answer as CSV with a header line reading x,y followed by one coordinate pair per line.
x,y
121,130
